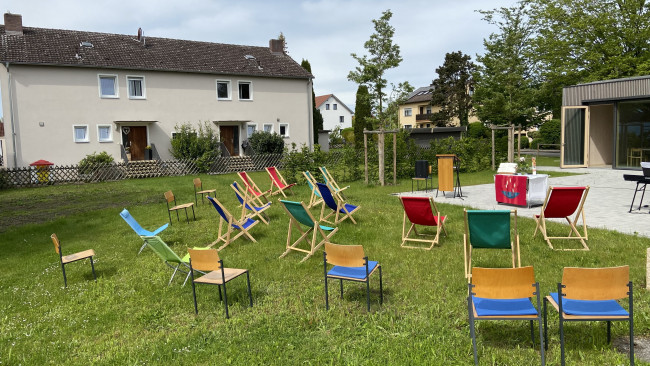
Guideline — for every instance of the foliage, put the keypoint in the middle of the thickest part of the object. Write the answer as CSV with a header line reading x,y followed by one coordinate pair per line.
x,y
348,135
264,142
549,132
524,143
389,118
93,161
202,145
317,116
296,161
450,90
335,136
362,113
478,130
384,55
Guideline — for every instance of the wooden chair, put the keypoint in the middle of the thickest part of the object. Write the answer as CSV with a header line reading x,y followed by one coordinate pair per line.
x,y
247,205
315,197
65,259
278,182
232,224
198,189
336,204
490,229
591,294
256,193
421,211
329,180
300,215
504,294
562,202
350,264
169,197
209,261
634,156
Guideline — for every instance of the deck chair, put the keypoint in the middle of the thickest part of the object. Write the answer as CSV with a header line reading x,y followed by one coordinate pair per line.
x,y
246,202
421,211
504,294
209,261
315,197
490,229
198,190
232,224
169,197
300,215
65,259
335,206
591,294
138,229
562,202
171,259
350,264
258,195
329,180
278,182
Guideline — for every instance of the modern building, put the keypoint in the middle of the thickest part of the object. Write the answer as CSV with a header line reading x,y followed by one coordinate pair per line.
x,y
67,93
335,113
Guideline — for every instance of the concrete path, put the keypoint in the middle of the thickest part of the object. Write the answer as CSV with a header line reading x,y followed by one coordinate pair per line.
x,y
606,207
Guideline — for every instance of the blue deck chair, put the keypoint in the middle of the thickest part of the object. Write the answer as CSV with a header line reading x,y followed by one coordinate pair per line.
x,y
231,224
138,229
170,258
300,215
334,202
329,180
246,202
315,197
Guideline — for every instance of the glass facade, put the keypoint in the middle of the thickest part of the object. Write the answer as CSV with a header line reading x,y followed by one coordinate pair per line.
x,y
632,133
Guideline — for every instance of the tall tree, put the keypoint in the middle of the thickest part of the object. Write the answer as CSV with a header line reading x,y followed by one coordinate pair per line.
x,y
390,117
362,113
451,90
384,55
318,117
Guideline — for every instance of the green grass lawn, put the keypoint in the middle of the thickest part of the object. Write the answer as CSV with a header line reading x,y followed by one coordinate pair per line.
x,y
131,316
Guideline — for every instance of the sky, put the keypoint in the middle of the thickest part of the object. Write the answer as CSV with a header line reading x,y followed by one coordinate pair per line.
x,y
323,32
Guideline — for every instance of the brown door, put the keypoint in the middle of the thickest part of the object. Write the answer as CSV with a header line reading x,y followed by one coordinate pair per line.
x,y
227,134
137,141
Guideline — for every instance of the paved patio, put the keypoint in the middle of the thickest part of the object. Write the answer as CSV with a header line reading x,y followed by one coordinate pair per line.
x,y
606,207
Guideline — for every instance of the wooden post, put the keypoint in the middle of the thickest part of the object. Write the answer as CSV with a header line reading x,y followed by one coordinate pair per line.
x,y
519,144
511,152
493,152
395,158
365,153
381,157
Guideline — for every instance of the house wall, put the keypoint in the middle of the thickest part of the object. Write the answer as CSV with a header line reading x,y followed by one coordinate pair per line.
x,y
415,108
331,117
601,125
61,97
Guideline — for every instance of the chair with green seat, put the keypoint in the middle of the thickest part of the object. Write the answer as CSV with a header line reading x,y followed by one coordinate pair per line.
x,y
300,215
138,229
490,229
168,256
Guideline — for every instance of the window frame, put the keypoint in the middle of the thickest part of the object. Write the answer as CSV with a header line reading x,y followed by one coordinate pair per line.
x,y
286,130
142,86
327,106
408,126
116,85
408,112
74,133
110,133
250,90
254,125
341,119
267,124
228,89
334,106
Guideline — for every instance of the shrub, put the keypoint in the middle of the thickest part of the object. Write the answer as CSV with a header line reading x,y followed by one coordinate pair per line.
x,y
200,145
550,132
477,130
534,143
524,142
348,135
93,161
264,142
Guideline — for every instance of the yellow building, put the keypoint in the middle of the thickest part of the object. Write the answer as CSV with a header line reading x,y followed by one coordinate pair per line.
x,y
416,111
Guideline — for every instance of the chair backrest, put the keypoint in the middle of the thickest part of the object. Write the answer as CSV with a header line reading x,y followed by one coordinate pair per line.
x,y
564,201
596,283
344,255
197,183
327,196
419,210
503,283
311,182
220,209
299,212
238,192
57,243
273,172
205,259
248,182
169,196
326,174
126,215
489,228
161,249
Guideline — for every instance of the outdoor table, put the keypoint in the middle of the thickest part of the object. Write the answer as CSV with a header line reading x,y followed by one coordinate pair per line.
x,y
520,189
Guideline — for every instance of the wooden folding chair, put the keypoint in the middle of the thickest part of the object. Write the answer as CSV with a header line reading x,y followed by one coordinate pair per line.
x,y
278,182
329,180
169,197
421,211
591,294
562,202
198,189
65,259
299,214
490,229
232,224
315,197
247,205
336,206
256,193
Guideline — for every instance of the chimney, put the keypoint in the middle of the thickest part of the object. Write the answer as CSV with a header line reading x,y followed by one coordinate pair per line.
x,y
13,24
276,46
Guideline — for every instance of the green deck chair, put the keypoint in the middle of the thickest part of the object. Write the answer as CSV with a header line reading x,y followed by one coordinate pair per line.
x,y
490,229
300,215
170,258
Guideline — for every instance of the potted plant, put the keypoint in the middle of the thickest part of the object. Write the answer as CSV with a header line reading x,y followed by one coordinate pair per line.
x,y
148,154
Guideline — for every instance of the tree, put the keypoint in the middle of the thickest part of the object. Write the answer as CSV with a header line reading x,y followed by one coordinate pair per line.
x,y
451,89
317,116
389,118
384,55
362,112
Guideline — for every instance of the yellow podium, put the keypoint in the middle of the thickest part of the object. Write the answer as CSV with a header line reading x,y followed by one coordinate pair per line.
x,y
446,175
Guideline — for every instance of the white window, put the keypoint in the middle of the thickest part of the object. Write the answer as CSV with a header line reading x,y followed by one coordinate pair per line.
x,y
108,86
80,133
284,129
135,86
245,90
250,129
428,110
104,133
407,126
341,119
268,127
408,112
327,107
334,106
223,90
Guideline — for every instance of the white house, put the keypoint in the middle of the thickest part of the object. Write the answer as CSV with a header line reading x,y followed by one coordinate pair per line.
x,y
66,94
334,112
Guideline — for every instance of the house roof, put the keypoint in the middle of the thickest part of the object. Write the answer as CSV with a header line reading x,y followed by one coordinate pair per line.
x,y
57,47
323,98
422,94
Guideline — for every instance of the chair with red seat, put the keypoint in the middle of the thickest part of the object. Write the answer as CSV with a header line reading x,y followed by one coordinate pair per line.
x,y
256,193
421,211
278,182
562,202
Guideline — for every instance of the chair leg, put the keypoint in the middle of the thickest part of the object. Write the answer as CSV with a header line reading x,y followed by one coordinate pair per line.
x,y
187,218
65,280
220,296
250,295
196,308
545,325
225,300
92,265
368,292
381,289
170,217
341,281
542,343
472,331
193,214
609,332
532,334
562,340
327,304
143,246
178,217
631,341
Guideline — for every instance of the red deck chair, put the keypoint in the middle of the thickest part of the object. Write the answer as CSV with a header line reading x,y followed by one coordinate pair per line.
x,y
421,211
562,202
278,182
253,190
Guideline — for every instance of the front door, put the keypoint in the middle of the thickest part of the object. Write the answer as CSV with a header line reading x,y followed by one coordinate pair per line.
x,y
574,148
229,136
134,138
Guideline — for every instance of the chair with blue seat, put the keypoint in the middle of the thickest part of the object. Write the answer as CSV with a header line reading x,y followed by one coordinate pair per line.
x,y
138,229
232,224
504,294
169,257
247,204
329,180
351,264
300,215
336,204
592,294
315,197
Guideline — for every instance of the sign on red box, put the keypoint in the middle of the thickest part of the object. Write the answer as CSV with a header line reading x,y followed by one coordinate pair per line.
x,y
510,189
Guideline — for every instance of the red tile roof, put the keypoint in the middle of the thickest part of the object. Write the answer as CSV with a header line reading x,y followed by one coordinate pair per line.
x,y
321,99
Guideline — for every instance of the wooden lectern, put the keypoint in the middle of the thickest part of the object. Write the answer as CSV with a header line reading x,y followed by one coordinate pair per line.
x,y
446,175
